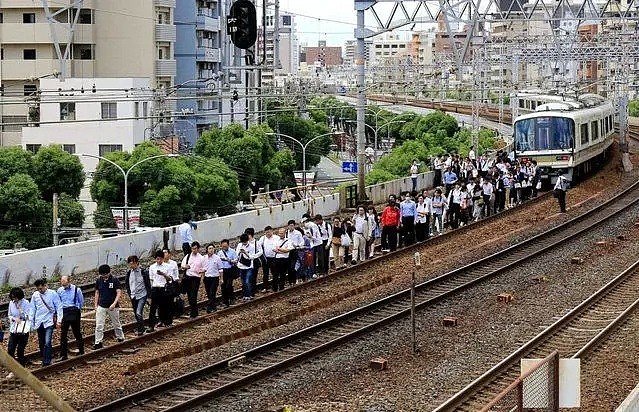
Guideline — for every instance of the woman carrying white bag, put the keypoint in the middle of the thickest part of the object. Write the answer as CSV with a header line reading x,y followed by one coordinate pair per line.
x,y
20,326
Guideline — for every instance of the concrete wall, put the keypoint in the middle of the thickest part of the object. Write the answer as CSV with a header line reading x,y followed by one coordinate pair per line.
x,y
379,193
631,403
25,267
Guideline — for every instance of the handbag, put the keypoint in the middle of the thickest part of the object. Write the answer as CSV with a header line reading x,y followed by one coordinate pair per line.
x,y
172,289
336,240
73,313
244,260
345,240
23,327
538,185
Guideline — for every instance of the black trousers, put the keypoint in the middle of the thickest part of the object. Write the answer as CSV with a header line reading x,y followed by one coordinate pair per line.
x,y
18,341
437,180
267,270
389,237
321,261
161,304
453,215
408,230
64,336
487,207
280,270
422,230
210,285
561,197
227,286
186,248
192,289
292,273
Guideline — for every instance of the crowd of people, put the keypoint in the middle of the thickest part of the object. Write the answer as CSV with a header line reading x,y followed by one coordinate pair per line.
x,y
466,189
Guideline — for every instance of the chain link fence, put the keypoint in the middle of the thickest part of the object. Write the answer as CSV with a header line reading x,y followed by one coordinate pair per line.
x,y
536,389
21,391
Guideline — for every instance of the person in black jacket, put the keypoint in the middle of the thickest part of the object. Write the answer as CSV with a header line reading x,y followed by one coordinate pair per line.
x,y
138,287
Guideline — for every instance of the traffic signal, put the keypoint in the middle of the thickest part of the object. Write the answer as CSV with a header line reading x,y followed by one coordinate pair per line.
x,y
241,24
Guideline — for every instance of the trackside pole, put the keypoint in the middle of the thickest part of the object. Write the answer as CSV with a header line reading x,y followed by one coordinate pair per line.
x,y
418,265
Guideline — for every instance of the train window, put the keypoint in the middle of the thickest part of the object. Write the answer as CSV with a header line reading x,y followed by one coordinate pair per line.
x,y
594,130
584,133
533,105
544,133
522,104
604,129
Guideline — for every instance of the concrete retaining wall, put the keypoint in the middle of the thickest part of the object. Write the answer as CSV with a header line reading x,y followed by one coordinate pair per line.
x,y
25,267
379,193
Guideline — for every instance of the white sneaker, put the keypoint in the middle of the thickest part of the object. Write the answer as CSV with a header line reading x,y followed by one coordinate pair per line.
x,y
10,376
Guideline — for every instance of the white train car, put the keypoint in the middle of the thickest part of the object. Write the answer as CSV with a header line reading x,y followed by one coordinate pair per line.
x,y
529,100
570,137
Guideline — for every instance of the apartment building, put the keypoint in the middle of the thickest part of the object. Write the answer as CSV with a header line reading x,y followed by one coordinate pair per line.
x,y
92,116
116,38
198,54
288,49
350,51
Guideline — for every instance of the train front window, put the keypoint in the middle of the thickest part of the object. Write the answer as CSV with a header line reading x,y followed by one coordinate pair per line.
x,y
544,133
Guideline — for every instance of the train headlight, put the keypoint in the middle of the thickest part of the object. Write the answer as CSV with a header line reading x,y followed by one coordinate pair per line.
x,y
562,157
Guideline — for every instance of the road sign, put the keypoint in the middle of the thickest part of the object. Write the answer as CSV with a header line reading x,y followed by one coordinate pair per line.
x,y
349,167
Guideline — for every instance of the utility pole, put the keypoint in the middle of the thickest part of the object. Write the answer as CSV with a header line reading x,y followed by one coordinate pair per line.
x,y
360,62
55,219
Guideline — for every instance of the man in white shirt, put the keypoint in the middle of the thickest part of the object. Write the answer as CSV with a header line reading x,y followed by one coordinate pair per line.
x,y
281,263
326,231
487,189
296,242
414,170
559,191
212,277
159,276
422,224
360,235
194,264
172,265
267,244
186,235
312,230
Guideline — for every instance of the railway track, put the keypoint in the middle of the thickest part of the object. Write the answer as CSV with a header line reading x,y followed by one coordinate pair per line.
x,y
182,324
235,372
575,335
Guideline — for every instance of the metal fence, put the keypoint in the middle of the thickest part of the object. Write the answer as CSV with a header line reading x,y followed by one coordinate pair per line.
x,y
536,389
21,391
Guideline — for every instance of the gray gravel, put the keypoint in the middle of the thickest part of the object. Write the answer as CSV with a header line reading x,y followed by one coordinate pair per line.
x,y
450,357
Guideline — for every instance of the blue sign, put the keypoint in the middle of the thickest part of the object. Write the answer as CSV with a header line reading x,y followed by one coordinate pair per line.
x,y
342,90
349,167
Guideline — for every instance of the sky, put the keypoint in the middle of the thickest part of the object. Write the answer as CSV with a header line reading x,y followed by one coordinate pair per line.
x,y
330,20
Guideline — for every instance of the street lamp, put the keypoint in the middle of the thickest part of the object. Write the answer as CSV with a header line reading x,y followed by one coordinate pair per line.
x,y
304,146
126,178
377,129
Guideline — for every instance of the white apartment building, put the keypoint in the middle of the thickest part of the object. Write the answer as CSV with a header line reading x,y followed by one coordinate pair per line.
x,y
94,117
288,47
115,38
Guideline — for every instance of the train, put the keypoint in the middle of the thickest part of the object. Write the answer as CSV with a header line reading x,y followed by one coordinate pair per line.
x,y
569,136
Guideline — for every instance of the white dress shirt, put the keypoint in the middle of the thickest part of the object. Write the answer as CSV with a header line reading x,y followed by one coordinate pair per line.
x,y
268,245
213,266
157,280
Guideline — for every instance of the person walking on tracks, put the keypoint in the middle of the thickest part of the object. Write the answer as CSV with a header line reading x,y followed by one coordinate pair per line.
x,y
561,187
46,312
138,287
194,265
108,292
19,326
72,301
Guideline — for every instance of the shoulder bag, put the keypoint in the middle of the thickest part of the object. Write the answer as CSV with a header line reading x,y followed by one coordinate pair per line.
x,y
184,285
72,314
55,315
235,271
22,326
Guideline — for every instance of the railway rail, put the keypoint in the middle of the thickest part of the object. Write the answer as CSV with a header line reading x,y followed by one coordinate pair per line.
x,y
233,373
576,334
182,324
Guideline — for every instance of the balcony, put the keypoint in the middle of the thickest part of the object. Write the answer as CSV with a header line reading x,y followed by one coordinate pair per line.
x,y
207,54
209,23
165,33
164,68
24,69
39,33
165,3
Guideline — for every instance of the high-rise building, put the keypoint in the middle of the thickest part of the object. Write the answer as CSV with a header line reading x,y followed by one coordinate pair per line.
x,y
116,38
198,53
288,48
323,55
350,51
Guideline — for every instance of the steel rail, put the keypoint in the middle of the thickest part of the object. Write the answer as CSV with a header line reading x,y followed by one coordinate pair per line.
x,y
264,360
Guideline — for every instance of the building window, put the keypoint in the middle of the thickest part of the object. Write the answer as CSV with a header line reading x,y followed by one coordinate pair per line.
x,y
105,149
136,110
28,18
86,16
69,148
30,89
110,110
33,148
1,18
29,54
67,111
286,20
145,109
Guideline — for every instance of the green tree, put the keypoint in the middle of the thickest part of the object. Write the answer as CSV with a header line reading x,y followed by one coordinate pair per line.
x,y
70,211
633,108
14,160
56,171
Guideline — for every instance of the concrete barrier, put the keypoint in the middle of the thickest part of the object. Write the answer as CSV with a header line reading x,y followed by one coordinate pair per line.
x,y
379,192
25,267
631,403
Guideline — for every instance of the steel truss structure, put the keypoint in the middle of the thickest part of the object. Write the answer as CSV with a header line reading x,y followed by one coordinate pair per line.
x,y
475,46
72,12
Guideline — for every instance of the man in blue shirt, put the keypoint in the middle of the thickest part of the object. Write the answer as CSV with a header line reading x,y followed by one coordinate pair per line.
x,y
230,271
45,306
408,215
72,301
450,178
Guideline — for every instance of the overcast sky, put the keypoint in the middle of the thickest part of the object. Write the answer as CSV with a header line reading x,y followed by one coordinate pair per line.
x,y
324,23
